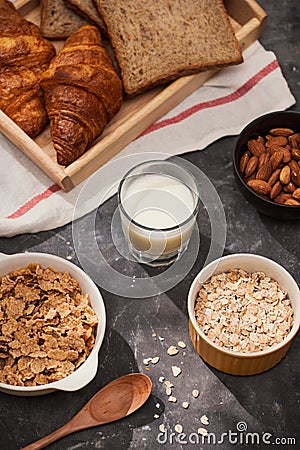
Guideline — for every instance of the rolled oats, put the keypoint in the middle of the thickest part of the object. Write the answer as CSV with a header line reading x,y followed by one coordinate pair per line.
x,y
178,428
245,312
195,393
203,431
176,371
204,420
155,360
168,390
172,350
47,326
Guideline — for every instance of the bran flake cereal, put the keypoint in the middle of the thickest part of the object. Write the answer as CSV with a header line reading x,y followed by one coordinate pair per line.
x,y
47,327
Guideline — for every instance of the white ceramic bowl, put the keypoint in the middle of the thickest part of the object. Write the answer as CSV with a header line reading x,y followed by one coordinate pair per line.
x,y
238,363
86,372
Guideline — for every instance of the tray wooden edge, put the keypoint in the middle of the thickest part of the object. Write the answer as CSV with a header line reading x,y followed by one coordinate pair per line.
x,y
29,147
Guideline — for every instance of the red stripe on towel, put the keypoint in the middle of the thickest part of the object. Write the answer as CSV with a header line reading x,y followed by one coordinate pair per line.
x,y
34,201
240,92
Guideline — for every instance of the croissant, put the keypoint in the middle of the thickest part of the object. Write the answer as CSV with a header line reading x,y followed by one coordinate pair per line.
x,y
82,93
24,55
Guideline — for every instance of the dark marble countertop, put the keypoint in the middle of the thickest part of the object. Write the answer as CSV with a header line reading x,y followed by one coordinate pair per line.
x,y
268,402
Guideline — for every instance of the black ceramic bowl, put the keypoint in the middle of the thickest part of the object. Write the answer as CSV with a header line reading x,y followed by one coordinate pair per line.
x,y
261,127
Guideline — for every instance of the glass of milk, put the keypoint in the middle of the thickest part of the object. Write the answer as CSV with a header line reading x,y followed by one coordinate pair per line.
x,y
158,203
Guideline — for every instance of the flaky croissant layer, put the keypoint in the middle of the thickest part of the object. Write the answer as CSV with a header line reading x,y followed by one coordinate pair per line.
x,y
24,56
82,93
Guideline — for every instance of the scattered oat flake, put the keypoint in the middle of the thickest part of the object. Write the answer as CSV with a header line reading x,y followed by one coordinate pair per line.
x,y
181,344
172,399
204,420
153,334
203,432
161,338
157,405
156,416
195,393
185,405
176,371
146,361
169,384
161,379
178,428
155,360
168,390
172,350
162,428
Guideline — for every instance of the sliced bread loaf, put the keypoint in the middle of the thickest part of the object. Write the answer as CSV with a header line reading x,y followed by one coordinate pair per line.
x,y
160,40
58,21
87,10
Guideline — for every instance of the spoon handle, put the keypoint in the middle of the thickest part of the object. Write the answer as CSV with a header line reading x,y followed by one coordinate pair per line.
x,y
52,437
79,422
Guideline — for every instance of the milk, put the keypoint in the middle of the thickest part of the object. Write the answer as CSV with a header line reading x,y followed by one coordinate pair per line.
x,y
157,215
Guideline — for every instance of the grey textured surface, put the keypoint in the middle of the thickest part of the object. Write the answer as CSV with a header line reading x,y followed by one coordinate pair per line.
x,y
268,402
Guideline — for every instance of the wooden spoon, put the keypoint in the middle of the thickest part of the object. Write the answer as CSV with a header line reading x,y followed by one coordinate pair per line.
x,y
116,400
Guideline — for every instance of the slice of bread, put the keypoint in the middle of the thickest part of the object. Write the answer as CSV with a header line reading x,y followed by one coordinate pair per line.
x,y
160,40
58,21
87,10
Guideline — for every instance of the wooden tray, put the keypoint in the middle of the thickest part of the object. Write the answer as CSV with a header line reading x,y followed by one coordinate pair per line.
x,y
135,116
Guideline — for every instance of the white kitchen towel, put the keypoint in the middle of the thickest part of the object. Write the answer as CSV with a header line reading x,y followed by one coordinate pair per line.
x,y
30,202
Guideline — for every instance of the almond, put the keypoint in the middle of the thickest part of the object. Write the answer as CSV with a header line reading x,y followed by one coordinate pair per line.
x,y
261,187
263,159
276,148
289,187
297,137
293,165
261,139
277,140
276,189
293,141
274,177
296,194
272,168
276,159
264,172
281,132
283,197
292,202
256,147
295,174
251,166
286,156
244,161
295,154
285,175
